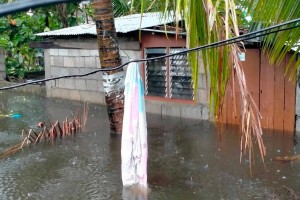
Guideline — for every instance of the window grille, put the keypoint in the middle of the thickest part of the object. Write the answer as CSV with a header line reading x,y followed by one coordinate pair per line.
x,y
156,73
181,85
168,78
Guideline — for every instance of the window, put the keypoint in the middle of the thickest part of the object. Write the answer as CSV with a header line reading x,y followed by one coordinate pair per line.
x,y
156,74
168,78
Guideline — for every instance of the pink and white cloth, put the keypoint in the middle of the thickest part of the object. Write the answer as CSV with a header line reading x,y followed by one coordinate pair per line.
x,y
134,148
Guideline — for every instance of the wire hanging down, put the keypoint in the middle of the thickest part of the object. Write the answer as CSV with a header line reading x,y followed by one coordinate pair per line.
x,y
237,39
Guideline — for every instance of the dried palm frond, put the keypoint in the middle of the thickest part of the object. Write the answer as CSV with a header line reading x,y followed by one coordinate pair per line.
x,y
266,13
12,150
206,22
48,133
291,192
250,115
287,158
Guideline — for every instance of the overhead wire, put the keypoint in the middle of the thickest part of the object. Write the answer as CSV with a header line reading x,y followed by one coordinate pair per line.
x,y
24,5
251,35
15,7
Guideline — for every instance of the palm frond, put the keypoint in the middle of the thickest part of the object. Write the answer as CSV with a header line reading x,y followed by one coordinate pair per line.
x,y
120,7
209,21
266,13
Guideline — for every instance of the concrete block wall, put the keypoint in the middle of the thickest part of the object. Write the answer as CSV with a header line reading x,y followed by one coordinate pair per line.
x,y
191,111
64,62
202,95
60,62
2,64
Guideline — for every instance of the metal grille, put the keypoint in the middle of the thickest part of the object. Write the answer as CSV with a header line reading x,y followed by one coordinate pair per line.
x,y
181,84
156,73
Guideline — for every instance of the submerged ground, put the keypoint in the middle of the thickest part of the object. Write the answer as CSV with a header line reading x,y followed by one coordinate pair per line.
x,y
188,159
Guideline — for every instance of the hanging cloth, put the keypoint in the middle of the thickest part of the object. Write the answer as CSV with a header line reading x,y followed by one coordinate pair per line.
x,y
134,148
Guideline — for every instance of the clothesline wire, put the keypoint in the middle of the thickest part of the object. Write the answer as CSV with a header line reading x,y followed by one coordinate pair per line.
x,y
251,35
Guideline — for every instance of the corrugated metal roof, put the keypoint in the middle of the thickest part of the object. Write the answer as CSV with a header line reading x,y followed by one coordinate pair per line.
x,y
75,30
123,24
296,46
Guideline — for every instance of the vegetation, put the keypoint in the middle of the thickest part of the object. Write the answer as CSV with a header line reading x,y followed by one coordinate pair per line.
x,y
209,21
50,132
15,33
206,21
19,29
125,7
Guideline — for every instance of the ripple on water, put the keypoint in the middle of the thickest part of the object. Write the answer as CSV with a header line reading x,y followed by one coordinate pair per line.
x,y
187,160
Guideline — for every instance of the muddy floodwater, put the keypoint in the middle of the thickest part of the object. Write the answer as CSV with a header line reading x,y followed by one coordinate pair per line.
x,y
188,159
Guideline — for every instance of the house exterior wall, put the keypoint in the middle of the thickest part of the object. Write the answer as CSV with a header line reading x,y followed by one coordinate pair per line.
x,y
68,61
197,109
64,62
272,91
298,106
2,64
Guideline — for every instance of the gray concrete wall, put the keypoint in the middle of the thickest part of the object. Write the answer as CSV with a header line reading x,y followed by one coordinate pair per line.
x,y
192,111
60,62
2,64
63,62
202,95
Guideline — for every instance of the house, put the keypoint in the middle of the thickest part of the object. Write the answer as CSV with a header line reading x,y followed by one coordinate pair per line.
x,y
273,93
74,50
167,82
298,105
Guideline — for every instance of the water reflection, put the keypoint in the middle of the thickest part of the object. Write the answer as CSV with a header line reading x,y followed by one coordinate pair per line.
x,y
187,159
29,108
135,192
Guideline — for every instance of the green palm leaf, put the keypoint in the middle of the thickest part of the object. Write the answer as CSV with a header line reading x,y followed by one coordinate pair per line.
x,y
209,21
120,7
276,46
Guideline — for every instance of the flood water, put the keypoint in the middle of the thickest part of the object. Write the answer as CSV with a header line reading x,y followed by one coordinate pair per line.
x,y
188,159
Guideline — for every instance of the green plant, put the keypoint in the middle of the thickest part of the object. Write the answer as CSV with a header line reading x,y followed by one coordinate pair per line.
x,y
19,29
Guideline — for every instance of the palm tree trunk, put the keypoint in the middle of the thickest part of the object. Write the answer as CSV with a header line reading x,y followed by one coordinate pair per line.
x,y
113,81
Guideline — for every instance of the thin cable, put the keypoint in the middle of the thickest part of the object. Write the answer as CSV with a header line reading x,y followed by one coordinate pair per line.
x,y
24,5
237,39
